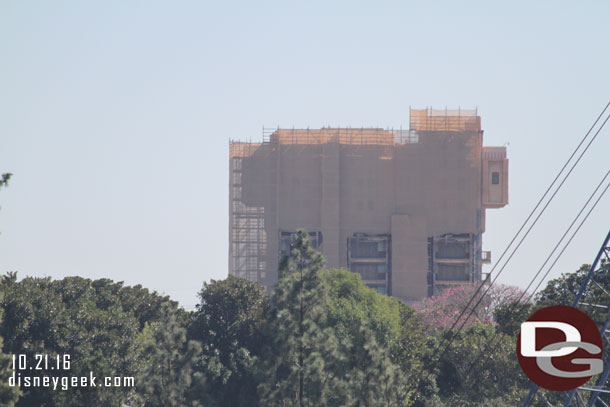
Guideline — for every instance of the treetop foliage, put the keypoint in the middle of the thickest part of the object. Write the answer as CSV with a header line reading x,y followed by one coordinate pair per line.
x,y
320,338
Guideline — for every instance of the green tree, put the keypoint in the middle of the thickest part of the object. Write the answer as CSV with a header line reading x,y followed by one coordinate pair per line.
x,y
413,351
367,326
98,323
563,290
169,366
303,359
469,377
352,304
495,379
230,324
510,315
8,394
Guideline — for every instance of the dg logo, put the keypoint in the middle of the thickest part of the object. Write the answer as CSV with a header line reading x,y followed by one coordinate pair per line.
x,y
560,348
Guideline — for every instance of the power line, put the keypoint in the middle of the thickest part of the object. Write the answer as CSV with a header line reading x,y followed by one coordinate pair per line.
x,y
518,301
451,334
570,240
536,220
491,342
564,235
515,304
538,205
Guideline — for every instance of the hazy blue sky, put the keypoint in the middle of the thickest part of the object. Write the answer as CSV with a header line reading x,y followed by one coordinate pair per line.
x,y
115,116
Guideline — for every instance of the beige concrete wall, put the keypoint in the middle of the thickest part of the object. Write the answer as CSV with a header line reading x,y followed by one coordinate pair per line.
x,y
330,203
413,191
409,257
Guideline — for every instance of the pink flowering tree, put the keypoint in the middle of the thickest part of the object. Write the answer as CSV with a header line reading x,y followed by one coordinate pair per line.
x,y
443,309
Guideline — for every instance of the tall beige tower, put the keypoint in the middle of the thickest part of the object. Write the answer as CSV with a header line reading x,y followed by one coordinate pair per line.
x,y
405,209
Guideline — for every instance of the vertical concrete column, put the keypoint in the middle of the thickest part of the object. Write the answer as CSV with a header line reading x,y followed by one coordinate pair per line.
x,y
329,209
409,257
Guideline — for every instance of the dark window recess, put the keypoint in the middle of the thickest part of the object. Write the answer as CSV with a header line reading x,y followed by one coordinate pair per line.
x,y
361,248
452,249
370,257
495,178
452,272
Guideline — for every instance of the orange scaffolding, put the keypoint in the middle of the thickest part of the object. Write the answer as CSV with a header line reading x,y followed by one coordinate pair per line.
x,y
444,120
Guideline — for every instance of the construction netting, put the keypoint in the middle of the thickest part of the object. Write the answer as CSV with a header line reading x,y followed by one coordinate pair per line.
x,y
361,136
242,148
420,120
444,120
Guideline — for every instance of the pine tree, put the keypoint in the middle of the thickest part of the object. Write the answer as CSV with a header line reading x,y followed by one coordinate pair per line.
x,y
303,368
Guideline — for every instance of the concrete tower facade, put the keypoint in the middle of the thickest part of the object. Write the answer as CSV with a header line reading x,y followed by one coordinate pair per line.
x,y
405,209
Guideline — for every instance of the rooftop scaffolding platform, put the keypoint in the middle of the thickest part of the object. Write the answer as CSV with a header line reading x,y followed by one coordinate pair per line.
x,y
420,120
444,120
